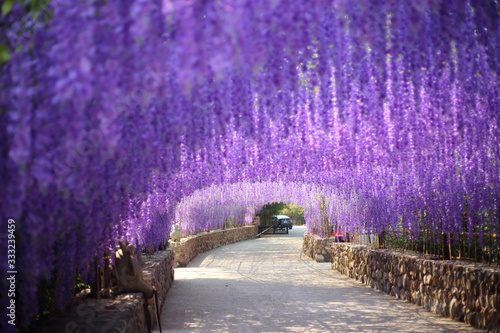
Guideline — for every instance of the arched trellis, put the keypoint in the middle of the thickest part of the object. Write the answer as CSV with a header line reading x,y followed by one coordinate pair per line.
x,y
391,108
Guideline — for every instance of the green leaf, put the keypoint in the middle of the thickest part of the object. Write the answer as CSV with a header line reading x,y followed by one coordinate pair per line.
x,y
4,53
4,56
7,6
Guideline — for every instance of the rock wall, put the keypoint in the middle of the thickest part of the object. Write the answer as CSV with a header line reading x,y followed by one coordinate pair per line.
x,y
123,314
467,292
158,269
188,248
318,248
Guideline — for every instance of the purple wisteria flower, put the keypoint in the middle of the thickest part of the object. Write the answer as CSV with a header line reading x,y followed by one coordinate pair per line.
x,y
118,120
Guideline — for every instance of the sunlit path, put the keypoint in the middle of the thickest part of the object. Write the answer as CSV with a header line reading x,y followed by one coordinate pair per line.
x,y
269,285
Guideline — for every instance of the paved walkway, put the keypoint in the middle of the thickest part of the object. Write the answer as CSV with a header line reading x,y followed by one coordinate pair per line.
x,y
269,285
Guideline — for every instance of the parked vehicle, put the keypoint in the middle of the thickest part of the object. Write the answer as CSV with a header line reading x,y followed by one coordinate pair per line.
x,y
282,221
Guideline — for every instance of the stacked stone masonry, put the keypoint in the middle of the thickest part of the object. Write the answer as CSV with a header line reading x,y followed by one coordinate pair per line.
x,y
188,248
467,292
318,248
125,313
158,270
122,314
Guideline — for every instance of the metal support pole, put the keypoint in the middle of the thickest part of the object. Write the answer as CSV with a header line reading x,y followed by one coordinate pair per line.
x,y
157,309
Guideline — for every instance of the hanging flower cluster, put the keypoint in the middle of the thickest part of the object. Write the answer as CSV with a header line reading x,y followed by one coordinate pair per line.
x,y
375,114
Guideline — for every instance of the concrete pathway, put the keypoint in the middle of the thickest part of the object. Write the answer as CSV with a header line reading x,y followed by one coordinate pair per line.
x,y
269,285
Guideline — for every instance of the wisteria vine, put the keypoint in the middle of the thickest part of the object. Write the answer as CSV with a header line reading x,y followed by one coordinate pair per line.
x,y
114,113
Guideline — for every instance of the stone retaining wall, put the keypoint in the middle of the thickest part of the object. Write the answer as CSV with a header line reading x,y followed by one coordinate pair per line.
x,y
123,314
467,292
188,248
317,248
158,269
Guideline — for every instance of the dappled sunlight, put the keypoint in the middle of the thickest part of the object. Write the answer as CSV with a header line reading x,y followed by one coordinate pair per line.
x,y
269,285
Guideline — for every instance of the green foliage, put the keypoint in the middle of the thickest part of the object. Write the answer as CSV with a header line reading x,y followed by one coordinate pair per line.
x,y
45,297
229,223
29,6
4,53
269,210
46,294
7,6
32,10
462,246
296,212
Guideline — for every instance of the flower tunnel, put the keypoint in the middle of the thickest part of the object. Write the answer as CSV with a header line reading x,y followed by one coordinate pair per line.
x,y
119,118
